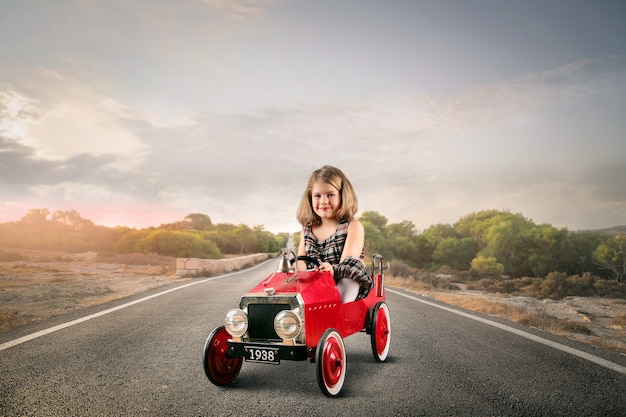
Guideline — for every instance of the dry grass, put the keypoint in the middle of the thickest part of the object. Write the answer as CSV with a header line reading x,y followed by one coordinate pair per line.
x,y
408,283
516,314
619,321
36,285
607,344
150,259
23,268
604,331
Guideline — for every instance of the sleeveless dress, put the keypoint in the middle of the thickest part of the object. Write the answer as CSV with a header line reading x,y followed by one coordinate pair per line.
x,y
329,250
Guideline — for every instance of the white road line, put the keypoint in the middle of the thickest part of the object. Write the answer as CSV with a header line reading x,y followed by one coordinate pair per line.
x,y
44,332
567,349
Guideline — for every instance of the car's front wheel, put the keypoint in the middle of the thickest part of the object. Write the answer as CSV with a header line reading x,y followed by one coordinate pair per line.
x,y
220,368
330,361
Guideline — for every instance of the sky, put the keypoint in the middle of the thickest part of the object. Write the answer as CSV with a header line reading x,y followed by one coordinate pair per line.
x,y
139,112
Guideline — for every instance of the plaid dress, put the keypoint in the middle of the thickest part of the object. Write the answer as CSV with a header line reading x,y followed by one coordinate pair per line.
x,y
329,250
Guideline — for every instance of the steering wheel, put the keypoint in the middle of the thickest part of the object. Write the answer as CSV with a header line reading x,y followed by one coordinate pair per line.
x,y
309,260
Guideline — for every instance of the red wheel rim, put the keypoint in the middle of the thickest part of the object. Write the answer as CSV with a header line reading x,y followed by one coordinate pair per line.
x,y
382,331
222,369
332,367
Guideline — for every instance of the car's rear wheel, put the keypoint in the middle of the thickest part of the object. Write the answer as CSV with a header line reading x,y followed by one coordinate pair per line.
x,y
381,332
220,368
330,361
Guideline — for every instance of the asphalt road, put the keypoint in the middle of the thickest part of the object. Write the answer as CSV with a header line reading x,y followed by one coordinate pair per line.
x,y
145,359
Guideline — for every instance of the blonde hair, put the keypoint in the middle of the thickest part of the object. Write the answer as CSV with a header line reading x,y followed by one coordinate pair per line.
x,y
333,176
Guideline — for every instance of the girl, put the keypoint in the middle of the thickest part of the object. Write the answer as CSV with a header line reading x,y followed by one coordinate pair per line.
x,y
331,234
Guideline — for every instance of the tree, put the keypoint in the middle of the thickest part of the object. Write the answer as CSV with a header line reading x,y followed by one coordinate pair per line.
x,y
223,234
403,229
544,245
246,239
128,242
375,233
440,231
504,240
72,219
67,230
375,219
422,256
178,243
430,240
611,256
475,225
455,253
36,217
577,252
401,239
266,242
375,241
198,221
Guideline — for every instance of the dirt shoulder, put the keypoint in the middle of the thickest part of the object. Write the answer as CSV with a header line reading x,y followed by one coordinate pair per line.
x,y
45,285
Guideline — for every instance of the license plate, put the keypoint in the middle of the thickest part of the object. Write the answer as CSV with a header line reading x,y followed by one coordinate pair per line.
x,y
262,355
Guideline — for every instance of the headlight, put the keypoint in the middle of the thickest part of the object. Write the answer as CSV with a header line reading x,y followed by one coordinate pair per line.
x,y
287,324
236,322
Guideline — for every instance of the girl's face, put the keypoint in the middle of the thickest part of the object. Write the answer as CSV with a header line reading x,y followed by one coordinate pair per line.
x,y
326,200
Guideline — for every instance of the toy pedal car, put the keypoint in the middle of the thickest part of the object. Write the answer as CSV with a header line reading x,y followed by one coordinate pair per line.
x,y
298,315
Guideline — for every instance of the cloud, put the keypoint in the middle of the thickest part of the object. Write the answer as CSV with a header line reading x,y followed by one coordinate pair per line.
x,y
17,112
517,101
579,71
242,10
607,182
423,158
70,119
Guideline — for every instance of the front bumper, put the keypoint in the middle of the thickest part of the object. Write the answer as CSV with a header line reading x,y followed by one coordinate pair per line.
x,y
286,352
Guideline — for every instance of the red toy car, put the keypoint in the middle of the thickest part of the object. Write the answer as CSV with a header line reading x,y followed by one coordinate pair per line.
x,y
298,315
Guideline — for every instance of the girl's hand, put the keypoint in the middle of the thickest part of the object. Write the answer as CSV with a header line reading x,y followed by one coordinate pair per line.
x,y
325,266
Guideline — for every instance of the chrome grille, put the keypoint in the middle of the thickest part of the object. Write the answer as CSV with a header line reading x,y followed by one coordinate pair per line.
x,y
261,320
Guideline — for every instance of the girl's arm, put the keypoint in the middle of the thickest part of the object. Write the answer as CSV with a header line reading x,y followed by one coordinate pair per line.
x,y
351,265
353,246
354,241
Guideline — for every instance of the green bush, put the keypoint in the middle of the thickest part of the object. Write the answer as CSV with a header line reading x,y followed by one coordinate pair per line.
x,y
180,244
128,242
557,285
482,266
553,286
483,284
610,288
582,286
400,269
